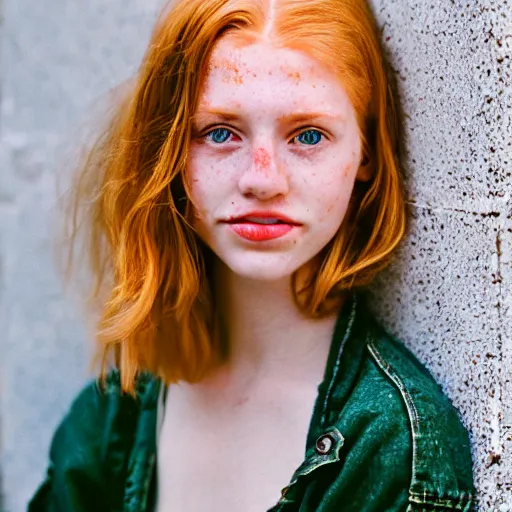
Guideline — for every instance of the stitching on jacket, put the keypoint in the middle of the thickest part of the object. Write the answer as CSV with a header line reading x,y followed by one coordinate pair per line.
x,y
466,502
411,408
348,332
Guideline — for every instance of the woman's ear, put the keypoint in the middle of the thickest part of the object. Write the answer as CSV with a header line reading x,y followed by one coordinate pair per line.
x,y
365,171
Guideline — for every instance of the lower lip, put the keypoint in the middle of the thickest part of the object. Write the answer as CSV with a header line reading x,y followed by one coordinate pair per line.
x,y
260,232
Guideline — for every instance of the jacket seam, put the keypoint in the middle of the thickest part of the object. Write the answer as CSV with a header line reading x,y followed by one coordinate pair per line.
x,y
466,502
427,498
409,403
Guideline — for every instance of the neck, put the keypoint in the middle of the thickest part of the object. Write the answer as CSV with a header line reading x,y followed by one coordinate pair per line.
x,y
266,333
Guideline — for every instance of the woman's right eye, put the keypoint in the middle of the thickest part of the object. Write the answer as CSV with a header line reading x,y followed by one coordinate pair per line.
x,y
219,135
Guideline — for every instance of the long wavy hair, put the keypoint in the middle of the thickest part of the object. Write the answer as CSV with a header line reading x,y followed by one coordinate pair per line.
x,y
152,274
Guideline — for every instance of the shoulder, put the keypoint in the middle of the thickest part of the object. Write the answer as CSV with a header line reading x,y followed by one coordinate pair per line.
x,y
90,449
102,408
441,465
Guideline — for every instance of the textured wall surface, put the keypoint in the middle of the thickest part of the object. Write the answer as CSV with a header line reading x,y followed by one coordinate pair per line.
x,y
449,295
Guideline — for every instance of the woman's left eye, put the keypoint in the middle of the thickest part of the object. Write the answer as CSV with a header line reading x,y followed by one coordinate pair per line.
x,y
309,137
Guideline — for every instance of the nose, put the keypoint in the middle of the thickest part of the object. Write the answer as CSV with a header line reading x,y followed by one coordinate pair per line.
x,y
265,179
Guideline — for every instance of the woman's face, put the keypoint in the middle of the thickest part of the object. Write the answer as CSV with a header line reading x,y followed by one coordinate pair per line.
x,y
273,160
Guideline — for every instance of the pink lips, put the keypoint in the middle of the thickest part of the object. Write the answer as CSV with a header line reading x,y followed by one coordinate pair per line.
x,y
260,232
247,227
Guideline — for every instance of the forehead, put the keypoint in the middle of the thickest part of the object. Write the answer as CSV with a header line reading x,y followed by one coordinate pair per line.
x,y
261,74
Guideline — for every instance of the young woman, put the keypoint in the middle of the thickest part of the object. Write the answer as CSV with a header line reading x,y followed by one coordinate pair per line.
x,y
246,187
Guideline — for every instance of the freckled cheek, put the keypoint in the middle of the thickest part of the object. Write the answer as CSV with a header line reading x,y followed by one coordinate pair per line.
x,y
330,191
198,174
332,210
214,172
211,185
199,180
342,171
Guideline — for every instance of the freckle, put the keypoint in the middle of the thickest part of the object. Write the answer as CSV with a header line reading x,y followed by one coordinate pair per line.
x,y
295,75
261,158
254,75
270,73
330,208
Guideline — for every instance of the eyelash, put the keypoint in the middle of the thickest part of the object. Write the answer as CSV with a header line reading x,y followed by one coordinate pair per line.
x,y
293,140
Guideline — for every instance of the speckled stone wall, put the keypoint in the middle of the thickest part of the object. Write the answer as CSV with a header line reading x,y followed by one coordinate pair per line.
x,y
448,296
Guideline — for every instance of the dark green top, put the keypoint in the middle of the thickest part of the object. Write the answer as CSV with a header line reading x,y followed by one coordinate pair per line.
x,y
382,437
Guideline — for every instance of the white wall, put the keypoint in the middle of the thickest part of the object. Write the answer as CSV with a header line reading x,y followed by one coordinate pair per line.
x,y
448,296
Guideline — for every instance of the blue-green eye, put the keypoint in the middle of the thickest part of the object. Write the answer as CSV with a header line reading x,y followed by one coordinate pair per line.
x,y
219,135
309,137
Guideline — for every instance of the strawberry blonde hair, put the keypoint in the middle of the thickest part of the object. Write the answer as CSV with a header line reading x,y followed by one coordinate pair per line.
x,y
152,283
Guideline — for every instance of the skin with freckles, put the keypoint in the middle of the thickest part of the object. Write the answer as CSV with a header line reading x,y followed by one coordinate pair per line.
x,y
274,131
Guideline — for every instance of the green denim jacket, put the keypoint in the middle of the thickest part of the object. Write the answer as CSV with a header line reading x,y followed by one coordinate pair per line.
x,y
382,437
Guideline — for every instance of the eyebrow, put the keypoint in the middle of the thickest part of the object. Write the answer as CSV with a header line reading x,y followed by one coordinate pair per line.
x,y
225,115
300,117
295,118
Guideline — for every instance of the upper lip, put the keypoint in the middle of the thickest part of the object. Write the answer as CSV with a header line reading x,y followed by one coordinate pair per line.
x,y
261,215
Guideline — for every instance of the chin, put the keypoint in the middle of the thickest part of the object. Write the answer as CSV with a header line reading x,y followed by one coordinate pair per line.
x,y
262,268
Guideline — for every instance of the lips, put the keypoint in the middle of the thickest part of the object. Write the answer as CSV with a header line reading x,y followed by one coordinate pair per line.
x,y
261,226
262,217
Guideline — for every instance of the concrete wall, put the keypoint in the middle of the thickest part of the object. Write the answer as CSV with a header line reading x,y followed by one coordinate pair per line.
x,y
449,295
